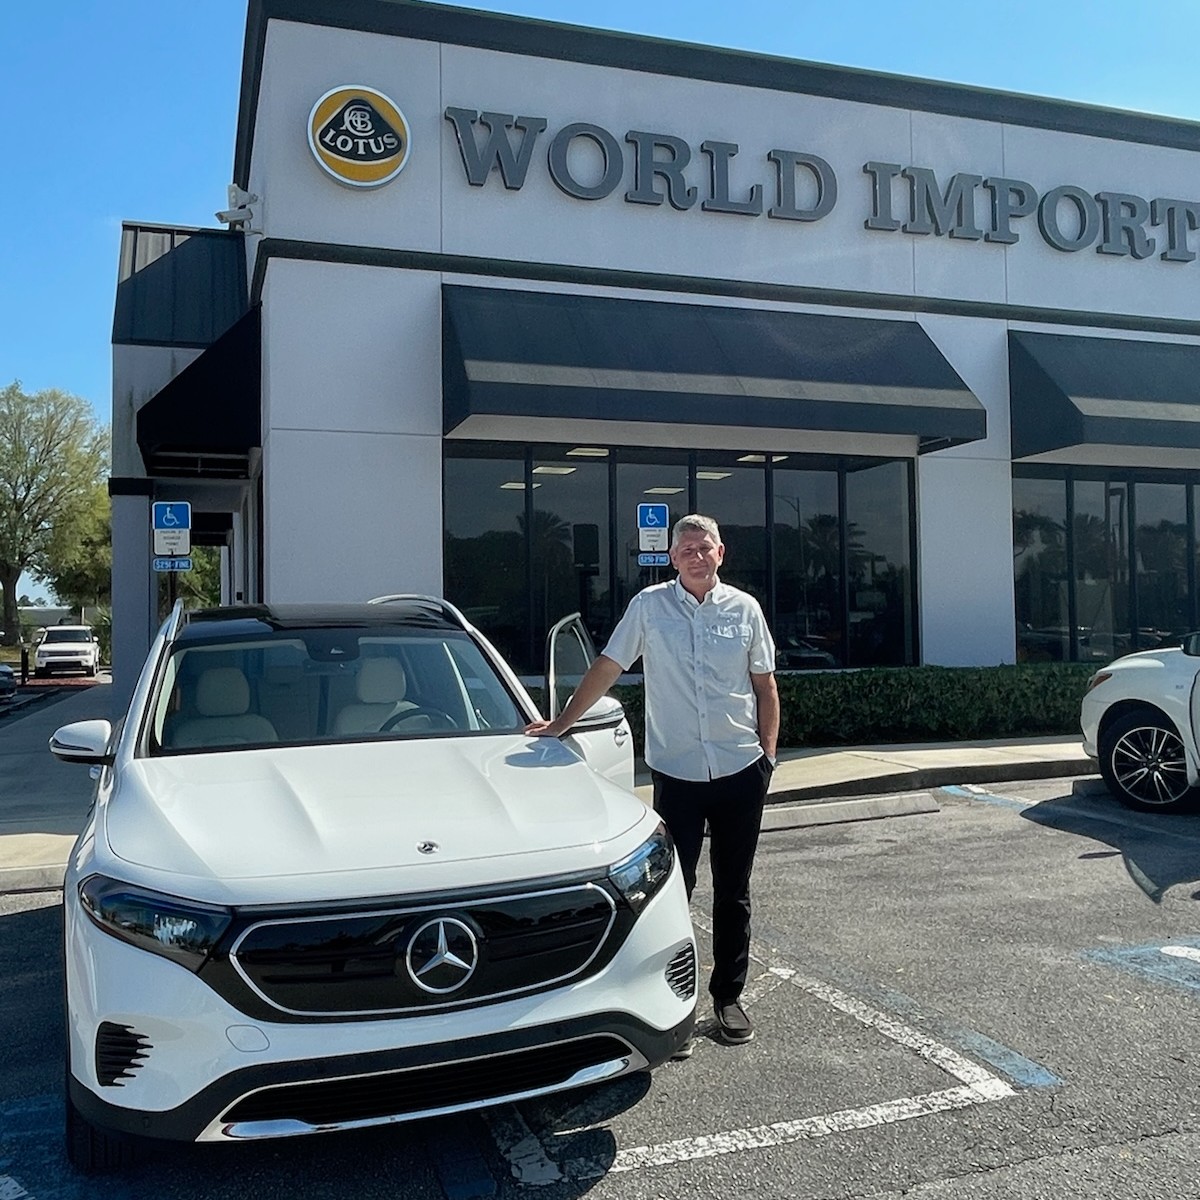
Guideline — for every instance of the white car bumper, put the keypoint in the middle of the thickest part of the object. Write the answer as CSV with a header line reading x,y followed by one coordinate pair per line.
x,y
205,1071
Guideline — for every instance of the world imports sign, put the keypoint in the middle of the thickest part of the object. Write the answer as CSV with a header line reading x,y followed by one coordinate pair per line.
x,y
588,162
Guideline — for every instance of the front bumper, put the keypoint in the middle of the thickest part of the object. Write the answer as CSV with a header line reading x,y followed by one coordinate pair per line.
x,y
385,1087
211,1073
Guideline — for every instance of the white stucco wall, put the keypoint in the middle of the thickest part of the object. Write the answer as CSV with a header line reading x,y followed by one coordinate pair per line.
x,y
351,432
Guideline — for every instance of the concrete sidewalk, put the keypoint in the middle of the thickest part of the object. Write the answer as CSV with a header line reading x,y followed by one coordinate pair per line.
x,y
43,802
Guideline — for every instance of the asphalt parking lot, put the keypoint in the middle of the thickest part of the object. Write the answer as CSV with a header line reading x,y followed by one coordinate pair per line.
x,y
995,999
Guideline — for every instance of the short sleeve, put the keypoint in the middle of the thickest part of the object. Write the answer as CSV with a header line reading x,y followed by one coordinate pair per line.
x,y
762,645
625,644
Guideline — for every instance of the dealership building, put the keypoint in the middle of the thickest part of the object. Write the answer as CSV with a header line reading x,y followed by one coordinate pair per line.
x,y
487,287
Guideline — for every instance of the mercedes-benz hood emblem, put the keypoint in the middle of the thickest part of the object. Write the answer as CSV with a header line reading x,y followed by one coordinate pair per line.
x,y
442,955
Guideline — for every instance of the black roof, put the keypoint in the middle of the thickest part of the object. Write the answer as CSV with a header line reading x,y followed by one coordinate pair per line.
x,y
239,621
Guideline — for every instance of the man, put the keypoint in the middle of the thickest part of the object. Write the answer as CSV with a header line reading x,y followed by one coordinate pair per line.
x,y
712,721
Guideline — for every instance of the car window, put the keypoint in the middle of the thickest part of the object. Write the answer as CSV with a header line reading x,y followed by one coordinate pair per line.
x,y
68,635
322,685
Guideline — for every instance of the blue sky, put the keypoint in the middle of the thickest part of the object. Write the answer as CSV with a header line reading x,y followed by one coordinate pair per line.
x,y
126,109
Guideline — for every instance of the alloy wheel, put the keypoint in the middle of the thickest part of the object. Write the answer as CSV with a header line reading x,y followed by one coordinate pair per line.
x,y
1149,765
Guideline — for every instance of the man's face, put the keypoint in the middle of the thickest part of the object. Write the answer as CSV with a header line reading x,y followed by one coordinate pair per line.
x,y
696,556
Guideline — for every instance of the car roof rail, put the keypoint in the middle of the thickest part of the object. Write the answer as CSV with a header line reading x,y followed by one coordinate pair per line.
x,y
174,621
443,606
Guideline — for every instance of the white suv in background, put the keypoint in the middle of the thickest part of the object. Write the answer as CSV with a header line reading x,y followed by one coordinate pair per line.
x,y
329,882
66,647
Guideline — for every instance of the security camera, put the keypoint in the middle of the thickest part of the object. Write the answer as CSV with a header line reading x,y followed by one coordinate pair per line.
x,y
235,216
239,212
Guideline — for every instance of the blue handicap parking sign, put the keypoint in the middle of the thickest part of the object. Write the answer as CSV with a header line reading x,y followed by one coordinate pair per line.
x,y
172,514
653,516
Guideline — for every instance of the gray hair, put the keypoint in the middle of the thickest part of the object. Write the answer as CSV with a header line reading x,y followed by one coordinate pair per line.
x,y
695,523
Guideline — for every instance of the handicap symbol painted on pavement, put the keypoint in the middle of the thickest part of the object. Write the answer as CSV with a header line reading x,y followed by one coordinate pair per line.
x,y
1176,962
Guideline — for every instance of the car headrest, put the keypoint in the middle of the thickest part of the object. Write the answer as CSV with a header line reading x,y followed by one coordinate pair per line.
x,y
222,692
380,681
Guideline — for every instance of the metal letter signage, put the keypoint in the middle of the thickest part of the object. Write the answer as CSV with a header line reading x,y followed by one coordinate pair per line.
x,y
585,162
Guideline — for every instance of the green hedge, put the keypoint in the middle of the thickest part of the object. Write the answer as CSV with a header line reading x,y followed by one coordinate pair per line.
x,y
918,704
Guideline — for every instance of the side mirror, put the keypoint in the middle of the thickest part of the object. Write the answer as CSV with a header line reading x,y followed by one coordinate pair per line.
x,y
605,712
83,742
1190,644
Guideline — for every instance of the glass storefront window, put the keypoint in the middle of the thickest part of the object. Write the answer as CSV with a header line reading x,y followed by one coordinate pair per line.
x,y
735,497
484,548
1101,551
661,479
878,529
533,533
808,569
569,543
1040,570
1161,566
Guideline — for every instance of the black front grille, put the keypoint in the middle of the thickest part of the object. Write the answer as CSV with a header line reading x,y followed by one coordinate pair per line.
x,y
427,1089
356,963
681,972
120,1051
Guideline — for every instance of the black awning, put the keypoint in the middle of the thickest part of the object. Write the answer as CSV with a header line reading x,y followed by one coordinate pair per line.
x,y
208,419
1071,393
570,357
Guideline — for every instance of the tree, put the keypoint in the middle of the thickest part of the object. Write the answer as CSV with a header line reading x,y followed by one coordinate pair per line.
x,y
53,456
79,563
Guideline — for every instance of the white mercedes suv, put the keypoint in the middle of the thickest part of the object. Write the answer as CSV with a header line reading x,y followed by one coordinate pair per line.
x,y
327,881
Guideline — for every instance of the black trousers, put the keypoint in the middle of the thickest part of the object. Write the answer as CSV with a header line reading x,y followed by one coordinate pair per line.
x,y
732,808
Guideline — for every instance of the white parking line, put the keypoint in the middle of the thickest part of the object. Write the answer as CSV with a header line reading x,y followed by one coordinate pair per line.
x,y
1189,952
531,1162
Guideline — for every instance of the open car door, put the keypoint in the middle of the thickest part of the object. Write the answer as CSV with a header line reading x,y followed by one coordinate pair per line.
x,y
602,734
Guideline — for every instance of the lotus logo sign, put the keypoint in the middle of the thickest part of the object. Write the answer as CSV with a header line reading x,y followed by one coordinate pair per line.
x,y
442,955
358,136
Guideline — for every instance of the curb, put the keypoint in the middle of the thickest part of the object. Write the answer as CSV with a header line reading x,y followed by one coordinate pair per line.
x,y
922,778
45,878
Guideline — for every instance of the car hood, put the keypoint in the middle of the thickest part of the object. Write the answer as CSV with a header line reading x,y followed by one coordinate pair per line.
x,y
497,808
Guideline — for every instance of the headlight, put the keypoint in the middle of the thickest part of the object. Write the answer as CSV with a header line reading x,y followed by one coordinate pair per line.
x,y
640,875
1096,680
181,930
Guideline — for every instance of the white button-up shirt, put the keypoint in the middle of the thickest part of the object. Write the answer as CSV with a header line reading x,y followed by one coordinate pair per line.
x,y
701,710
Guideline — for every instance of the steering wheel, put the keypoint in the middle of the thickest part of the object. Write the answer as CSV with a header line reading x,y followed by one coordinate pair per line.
x,y
436,717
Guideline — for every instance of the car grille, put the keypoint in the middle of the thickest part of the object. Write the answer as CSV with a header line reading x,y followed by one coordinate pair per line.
x,y
413,959
427,1089
120,1051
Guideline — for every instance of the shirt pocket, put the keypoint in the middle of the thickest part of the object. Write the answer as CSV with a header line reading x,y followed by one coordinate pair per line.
x,y
728,639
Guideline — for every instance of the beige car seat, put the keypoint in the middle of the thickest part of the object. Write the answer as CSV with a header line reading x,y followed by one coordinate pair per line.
x,y
221,704
380,686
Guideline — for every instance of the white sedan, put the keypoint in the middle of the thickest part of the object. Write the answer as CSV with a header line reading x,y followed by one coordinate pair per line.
x,y
1139,716
329,882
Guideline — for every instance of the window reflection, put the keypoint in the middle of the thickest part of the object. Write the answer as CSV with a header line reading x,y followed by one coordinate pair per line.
x,y
1040,569
878,524
1101,549
569,543
1164,610
735,497
484,548
808,570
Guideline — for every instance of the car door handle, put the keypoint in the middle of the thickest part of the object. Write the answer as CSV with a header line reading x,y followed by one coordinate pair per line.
x,y
620,734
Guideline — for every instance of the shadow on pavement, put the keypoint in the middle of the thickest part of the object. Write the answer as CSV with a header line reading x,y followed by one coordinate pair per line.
x,y
1160,851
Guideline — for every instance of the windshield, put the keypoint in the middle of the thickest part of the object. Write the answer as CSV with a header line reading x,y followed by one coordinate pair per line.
x,y
320,685
68,635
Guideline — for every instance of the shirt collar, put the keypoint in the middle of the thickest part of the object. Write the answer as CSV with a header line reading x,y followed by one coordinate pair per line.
x,y
686,598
